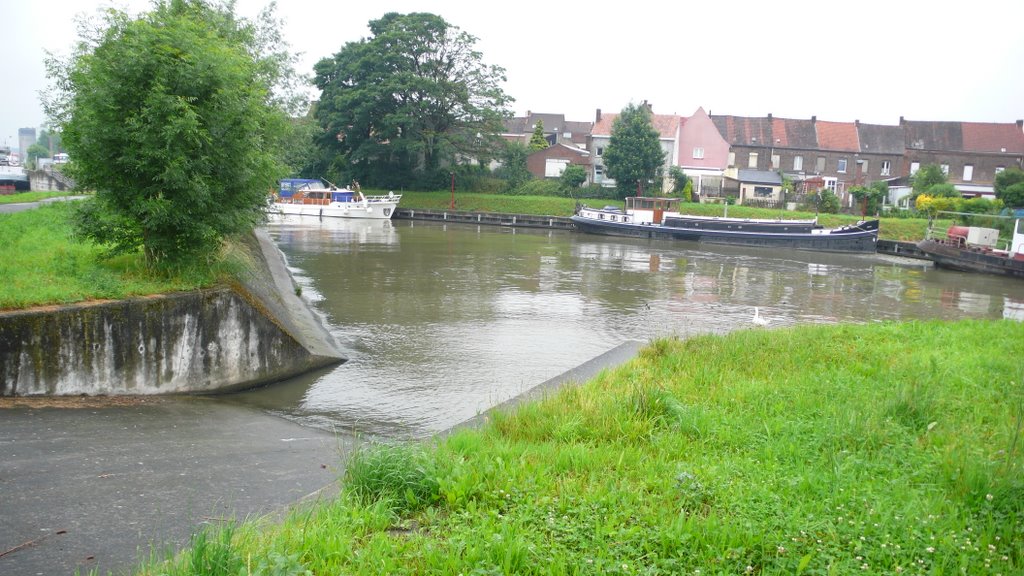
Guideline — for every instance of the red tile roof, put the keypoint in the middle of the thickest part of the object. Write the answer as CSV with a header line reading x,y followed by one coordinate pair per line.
x,y
667,125
837,136
991,137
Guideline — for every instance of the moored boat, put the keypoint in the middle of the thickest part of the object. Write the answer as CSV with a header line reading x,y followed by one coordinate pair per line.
x,y
660,218
311,198
973,249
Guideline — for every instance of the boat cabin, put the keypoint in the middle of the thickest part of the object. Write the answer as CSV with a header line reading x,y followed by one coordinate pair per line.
x,y
651,210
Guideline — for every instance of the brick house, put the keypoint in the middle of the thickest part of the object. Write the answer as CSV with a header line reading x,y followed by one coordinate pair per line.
x,y
557,130
551,162
970,153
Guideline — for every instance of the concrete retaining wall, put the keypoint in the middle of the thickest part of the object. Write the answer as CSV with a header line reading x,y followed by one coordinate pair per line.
x,y
213,340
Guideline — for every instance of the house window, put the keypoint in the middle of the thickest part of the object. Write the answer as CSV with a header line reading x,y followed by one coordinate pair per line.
x,y
886,166
775,161
764,191
600,151
553,167
830,183
598,171
945,169
732,158
841,166
968,172
863,167
819,166
1000,169
798,163
914,167
698,153
752,160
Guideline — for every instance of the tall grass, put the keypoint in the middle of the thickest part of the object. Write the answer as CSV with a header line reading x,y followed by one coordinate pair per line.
x,y
883,448
43,264
30,196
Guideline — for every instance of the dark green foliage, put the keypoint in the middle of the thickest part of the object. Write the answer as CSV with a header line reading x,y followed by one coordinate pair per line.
x,y
679,182
513,165
537,187
397,107
828,202
573,177
634,157
537,140
1009,186
943,190
171,119
869,198
927,176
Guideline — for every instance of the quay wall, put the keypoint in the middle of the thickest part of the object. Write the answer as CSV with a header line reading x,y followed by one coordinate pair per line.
x,y
215,340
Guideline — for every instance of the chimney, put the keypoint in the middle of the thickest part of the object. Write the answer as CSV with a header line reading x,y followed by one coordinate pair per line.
x,y
769,116
814,119
901,120
598,117
1020,124
856,123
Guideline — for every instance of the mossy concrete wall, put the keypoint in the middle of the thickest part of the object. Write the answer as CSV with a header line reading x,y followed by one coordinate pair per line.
x,y
214,340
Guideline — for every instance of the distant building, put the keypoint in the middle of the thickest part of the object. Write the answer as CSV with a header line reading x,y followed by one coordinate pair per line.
x,y
26,138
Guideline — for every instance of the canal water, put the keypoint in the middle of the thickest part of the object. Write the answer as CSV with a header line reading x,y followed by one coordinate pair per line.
x,y
443,321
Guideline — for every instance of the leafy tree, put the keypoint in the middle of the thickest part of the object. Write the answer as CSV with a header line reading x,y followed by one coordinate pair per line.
x,y
869,198
944,190
513,166
927,176
828,202
413,97
1009,186
633,156
35,152
573,176
537,140
172,119
680,181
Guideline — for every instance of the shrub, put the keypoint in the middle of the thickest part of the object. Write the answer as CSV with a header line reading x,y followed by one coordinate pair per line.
x,y
539,188
401,474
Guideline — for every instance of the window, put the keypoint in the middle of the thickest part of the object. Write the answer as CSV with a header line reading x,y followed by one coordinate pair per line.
x,y
819,166
830,183
600,151
945,169
752,160
732,158
886,166
914,167
698,153
598,171
764,191
798,163
841,166
776,161
553,167
863,167
1000,169
968,172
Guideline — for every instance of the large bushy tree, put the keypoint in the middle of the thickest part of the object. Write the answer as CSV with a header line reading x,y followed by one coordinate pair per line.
x,y
537,139
172,118
634,157
1009,187
925,178
407,101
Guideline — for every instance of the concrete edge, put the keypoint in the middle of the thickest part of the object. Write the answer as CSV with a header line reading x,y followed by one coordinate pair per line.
x,y
586,371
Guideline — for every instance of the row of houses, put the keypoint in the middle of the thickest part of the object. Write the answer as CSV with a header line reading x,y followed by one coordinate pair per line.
x,y
747,157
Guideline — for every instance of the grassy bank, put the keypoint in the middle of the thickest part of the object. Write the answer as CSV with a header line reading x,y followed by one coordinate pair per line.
x,y
906,229
881,448
42,264
30,197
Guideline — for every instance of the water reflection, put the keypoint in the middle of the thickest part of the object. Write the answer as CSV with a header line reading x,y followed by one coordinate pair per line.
x,y
441,322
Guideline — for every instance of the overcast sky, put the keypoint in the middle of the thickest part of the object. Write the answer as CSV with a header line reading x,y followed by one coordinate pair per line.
x,y
870,60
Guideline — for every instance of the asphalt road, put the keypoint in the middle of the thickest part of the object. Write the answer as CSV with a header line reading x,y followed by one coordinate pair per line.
x,y
101,483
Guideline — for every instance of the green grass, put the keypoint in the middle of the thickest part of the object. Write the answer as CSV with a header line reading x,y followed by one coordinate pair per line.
x,y
905,229
30,196
42,264
880,449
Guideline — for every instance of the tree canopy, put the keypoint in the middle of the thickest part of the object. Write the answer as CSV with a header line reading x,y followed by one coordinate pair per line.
x,y
634,157
922,181
398,106
537,139
1009,187
172,119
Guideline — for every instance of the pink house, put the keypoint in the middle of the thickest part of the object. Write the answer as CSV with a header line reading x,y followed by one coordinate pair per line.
x,y
703,153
